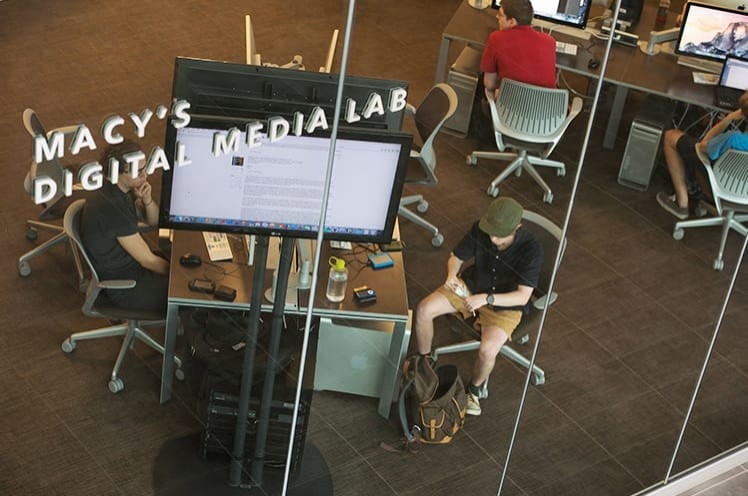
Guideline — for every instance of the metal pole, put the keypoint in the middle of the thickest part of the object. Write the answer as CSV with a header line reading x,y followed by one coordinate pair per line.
x,y
245,391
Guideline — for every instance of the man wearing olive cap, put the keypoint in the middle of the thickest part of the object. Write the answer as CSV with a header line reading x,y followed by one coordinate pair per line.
x,y
496,288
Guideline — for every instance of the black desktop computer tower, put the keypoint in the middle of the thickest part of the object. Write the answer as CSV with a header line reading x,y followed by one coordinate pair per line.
x,y
217,438
643,148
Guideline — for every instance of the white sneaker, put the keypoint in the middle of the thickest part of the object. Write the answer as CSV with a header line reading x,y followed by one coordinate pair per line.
x,y
473,405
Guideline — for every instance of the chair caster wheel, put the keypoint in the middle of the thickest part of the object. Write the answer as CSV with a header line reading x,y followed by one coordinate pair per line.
x,y
116,385
537,380
68,346
493,191
179,374
24,270
548,198
678,234
31,233
719,264
561,172
437,241
423,206
524,339
471,160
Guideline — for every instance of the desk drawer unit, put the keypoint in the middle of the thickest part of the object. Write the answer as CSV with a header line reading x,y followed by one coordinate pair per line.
x,y
352,355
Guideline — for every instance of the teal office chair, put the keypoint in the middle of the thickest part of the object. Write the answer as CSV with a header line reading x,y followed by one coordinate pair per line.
x,y
438,106
550,236
52,209
528,122
728,178
96,304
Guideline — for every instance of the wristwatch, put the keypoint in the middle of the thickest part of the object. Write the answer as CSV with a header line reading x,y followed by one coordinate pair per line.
x,y
489,299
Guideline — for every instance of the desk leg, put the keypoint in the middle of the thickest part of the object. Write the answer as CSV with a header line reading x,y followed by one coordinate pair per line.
x,y
441,62
390,381
614,119
170,341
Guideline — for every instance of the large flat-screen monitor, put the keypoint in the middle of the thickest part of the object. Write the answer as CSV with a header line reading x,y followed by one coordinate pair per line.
x,y
216,88
712,32
572,13
276,188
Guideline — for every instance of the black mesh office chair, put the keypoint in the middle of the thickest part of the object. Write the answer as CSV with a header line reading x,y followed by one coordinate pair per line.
x,y
438,106
53,208
549,236
97,304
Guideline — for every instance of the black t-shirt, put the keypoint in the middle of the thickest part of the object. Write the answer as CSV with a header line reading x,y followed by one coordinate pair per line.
x,y
109,213
500,271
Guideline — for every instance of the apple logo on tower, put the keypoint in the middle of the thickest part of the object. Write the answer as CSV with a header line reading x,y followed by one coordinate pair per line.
x,y
360,362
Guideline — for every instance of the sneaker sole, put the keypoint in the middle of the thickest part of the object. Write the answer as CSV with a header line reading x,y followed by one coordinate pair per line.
x,y
473,412
669,209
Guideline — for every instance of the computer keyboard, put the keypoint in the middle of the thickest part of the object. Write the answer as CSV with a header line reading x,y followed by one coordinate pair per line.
x,y
568,48
218,246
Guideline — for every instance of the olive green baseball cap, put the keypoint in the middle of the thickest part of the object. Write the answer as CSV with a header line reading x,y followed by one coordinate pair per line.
x,y
502,217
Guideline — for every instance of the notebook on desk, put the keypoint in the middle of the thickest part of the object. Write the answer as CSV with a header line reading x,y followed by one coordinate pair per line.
x,y
732,82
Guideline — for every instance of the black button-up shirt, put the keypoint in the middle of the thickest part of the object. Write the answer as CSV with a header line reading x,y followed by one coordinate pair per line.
x,y
500,271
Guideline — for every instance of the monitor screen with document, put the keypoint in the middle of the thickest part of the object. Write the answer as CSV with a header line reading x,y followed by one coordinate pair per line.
x,y
276,188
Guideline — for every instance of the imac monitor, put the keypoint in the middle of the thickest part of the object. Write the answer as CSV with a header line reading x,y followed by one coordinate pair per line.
x,y
711,32
276,188
572,13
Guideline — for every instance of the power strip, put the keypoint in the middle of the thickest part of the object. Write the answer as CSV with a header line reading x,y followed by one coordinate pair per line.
x,y
567,48
622,37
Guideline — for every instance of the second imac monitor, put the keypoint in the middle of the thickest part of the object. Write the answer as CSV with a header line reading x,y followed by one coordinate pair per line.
x,y
572,13
711,33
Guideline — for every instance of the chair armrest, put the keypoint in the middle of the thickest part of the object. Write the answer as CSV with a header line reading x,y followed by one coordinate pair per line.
x,y
66,130
576,107
117,284
539,303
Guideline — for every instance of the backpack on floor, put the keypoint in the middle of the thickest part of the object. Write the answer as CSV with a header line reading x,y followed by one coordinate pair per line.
x,y
432,401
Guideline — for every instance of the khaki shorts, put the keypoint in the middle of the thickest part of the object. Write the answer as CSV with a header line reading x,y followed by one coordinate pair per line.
x,y
506,320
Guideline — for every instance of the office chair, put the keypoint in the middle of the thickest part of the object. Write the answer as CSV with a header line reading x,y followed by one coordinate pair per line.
x,y
438,106
97,304
50,209
527,120
549,236
728,178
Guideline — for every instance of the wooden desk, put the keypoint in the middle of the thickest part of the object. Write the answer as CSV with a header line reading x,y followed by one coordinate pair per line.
x,y
628,67
391,304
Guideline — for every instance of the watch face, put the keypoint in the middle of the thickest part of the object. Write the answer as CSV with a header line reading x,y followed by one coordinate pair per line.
x,y
489,299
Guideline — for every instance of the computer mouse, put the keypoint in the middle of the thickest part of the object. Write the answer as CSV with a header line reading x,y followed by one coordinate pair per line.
x,y
190,260
593,64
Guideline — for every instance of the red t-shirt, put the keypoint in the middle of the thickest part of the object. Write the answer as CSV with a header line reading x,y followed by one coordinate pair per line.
x,y
521,54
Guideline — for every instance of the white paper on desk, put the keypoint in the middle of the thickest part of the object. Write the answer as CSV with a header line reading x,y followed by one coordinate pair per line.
x,y
705,78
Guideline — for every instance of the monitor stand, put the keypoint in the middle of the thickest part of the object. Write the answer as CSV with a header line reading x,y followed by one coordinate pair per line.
x,y
701,64
552,27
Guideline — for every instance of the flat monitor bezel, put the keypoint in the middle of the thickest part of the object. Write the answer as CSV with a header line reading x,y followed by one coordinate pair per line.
x,y
282,90
687,11
495,4
218,122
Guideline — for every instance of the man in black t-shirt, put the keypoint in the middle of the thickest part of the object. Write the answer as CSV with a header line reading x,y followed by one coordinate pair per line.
x,y
109,231
498,286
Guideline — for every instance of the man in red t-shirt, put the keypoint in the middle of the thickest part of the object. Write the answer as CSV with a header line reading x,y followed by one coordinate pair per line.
x,y
516,51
